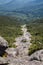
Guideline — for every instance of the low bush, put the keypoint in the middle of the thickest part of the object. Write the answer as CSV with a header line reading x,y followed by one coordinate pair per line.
x,y
34,47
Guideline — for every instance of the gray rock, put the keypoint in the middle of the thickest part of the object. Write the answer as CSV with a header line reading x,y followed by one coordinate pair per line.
x,y
3,42
3,61
3,46
12,52
38,55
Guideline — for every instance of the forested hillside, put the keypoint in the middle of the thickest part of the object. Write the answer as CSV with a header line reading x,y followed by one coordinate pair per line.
x,y
36,30
10,28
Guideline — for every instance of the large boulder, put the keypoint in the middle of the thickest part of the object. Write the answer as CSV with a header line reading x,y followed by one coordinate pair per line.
x,y
38,55
3,46
3,42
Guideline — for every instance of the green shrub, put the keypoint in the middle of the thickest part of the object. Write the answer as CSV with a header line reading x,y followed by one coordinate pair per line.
x,y
34,47
11,45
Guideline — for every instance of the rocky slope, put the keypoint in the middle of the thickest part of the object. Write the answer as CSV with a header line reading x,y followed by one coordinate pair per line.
x,y
19,55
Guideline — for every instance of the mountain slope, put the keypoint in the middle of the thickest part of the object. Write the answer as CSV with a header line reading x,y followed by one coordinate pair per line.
x,y
9,28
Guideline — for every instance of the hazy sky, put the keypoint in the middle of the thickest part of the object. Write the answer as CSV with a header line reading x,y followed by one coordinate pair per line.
x,y
6,1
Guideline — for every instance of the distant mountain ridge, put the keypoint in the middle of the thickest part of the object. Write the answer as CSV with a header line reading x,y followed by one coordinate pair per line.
x,y
32,8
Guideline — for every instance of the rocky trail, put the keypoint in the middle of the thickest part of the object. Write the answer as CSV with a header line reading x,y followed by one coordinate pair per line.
x,y
23,42
19,55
